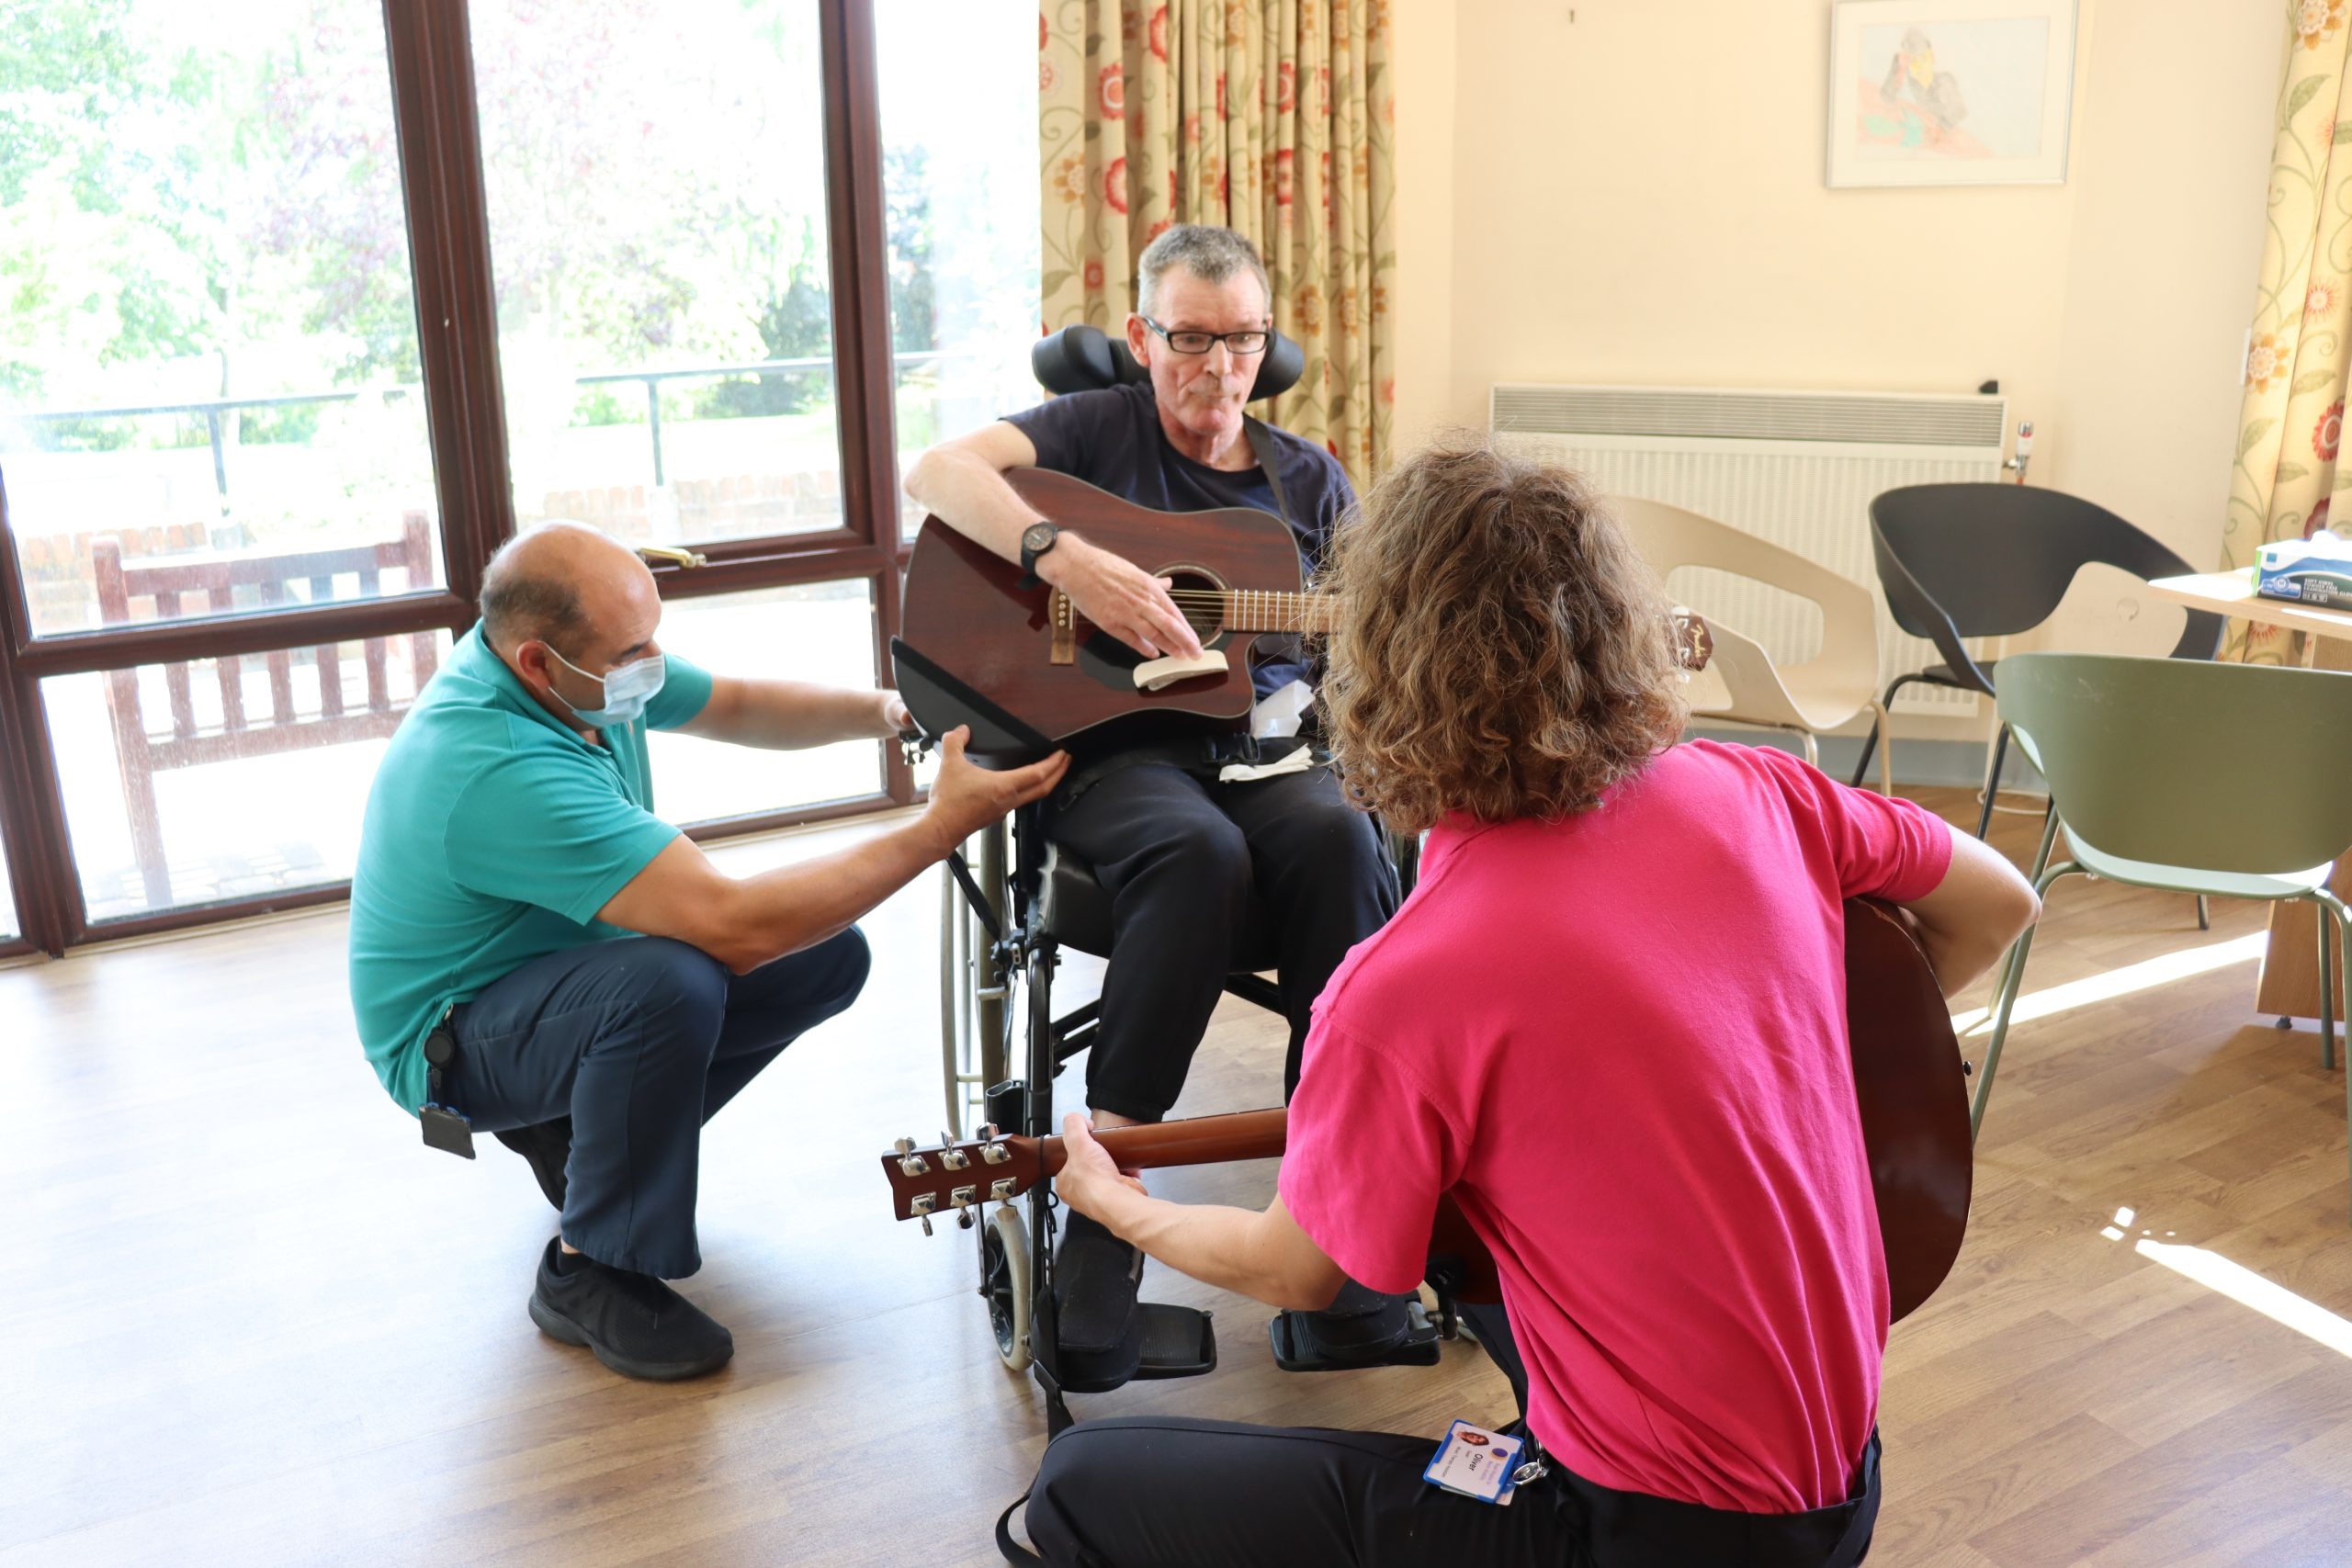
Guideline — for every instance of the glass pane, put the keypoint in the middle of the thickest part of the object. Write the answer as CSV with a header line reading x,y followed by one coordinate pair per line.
x,y
823,632
657,214
959,169
231,778
209,349
10,926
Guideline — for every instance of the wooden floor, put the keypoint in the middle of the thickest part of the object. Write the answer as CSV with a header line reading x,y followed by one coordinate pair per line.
x,y
248,1319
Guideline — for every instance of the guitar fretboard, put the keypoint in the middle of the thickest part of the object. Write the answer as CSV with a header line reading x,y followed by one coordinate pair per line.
x,y
1257,609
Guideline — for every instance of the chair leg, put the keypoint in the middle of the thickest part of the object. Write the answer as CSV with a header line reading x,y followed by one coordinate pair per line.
x,y
1812,747
1993,781
2331,905
2203,924
1879,721
1885,749
2050,825
2326,986
2004,1003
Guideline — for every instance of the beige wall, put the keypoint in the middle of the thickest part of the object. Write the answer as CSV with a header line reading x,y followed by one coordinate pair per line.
x,y
1637,196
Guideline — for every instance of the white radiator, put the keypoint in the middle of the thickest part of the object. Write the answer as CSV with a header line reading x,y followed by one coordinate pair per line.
x,y
1798,469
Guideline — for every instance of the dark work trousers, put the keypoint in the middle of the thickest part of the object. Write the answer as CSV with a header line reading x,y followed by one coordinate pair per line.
x,y
639,1041
1159,1492
1182,858
1164,1492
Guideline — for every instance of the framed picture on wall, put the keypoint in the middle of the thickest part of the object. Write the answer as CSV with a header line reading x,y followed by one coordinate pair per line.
x,y
1950,92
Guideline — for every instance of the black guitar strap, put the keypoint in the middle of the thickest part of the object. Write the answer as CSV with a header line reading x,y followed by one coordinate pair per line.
x,y
1262,442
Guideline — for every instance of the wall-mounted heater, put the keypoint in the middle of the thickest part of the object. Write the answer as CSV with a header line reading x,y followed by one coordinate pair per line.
x,y
1798,469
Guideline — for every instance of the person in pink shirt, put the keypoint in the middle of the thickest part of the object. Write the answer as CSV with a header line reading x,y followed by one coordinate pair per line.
x,y
1610,1022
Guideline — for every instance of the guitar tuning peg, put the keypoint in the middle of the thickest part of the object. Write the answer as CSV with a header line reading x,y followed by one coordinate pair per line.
x,y
926,1224
963,1219
988,1133
903,1147
945,1137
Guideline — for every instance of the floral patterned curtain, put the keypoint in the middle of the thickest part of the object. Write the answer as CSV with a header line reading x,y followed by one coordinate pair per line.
x,y
1274,118
2290,425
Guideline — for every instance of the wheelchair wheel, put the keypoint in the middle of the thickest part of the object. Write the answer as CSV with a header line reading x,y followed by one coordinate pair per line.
x,y
1005,1284
972,986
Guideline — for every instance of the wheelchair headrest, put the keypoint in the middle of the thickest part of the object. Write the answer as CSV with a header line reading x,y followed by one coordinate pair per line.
x,y
1083,358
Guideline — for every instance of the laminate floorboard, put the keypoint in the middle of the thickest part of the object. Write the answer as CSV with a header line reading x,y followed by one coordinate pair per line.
x,y
249,1319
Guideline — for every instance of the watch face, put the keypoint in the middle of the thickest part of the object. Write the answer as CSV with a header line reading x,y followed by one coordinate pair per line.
x,y
1037,536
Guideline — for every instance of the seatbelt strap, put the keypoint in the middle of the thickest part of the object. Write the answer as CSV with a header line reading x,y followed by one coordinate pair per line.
x,y
1013,1551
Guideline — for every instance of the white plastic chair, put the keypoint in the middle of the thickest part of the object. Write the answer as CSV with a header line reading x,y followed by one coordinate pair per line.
x,y
1829,690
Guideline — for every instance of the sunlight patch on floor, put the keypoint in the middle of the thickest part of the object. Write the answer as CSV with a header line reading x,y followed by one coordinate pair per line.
x,y
2238,1282
2141,977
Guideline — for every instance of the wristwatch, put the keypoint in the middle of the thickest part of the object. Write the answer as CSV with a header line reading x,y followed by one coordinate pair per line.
x,y
1035,540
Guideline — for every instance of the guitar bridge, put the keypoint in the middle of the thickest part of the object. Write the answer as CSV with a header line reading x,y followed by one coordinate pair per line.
x,y
1064,616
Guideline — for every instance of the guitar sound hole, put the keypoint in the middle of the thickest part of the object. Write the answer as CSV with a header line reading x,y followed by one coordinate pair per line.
x,y
1195,593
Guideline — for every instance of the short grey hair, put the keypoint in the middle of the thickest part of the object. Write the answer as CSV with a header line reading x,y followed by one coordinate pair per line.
x,y
1209,252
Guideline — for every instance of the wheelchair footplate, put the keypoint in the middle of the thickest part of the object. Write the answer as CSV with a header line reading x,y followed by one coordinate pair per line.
x,y
1178,1341
1299,1348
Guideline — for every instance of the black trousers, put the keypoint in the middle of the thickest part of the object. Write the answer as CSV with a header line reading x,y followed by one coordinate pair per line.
x,y
1181,857
1168,1492
1162,1491
639,1041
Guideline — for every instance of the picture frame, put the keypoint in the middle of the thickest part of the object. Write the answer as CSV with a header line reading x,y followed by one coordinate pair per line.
x,y
1950,92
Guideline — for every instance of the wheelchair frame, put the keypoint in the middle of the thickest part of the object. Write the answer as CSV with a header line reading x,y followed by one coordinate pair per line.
x,y
998,962
998,959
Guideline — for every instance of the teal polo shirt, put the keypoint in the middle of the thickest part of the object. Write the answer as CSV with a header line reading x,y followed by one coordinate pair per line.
x,y
493,835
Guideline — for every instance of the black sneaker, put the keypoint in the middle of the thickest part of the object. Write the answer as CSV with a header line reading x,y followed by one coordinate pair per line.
x,y
548,1145
635,1324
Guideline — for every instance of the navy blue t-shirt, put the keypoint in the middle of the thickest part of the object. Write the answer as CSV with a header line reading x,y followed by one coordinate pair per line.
x,y
1112,440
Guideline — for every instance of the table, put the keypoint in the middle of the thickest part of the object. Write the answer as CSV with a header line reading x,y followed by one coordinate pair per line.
x,y
2289,983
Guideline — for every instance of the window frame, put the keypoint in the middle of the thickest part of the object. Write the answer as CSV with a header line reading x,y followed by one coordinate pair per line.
x,y
437,130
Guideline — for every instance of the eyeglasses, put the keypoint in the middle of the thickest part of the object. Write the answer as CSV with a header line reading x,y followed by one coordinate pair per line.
x,y
1240,345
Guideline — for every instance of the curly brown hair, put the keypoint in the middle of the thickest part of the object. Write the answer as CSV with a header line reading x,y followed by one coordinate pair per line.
x,y
1503,652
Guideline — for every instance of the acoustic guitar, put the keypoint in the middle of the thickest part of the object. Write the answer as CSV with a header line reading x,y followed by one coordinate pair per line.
x,y
1028,673
1909,1088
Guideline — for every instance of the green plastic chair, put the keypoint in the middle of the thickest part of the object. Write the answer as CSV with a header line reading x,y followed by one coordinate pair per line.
x,y
2148,762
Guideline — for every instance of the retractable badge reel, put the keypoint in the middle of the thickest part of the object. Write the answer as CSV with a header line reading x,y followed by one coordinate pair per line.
x,y
443,1128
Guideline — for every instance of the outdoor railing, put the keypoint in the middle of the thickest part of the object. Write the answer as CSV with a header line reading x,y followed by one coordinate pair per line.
x,y
215,411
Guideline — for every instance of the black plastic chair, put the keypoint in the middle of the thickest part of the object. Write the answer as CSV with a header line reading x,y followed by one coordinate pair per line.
x,y
1972,560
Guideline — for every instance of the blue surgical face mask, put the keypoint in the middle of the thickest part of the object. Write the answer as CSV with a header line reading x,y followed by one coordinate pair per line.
x,y
628,689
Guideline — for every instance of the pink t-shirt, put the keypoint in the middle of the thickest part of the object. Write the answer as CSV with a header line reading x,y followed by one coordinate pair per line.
x,y
1620,1041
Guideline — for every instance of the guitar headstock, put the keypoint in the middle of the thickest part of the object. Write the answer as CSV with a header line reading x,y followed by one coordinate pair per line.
x,y
1692,642
956,1177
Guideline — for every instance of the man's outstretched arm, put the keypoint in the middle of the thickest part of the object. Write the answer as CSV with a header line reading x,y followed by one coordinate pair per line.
x,y
746,921
790,715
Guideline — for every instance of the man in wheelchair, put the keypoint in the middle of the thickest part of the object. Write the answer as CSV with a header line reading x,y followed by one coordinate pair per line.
x,y
1178,841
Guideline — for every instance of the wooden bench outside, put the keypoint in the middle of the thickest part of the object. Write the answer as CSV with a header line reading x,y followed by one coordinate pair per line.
x,y
210,585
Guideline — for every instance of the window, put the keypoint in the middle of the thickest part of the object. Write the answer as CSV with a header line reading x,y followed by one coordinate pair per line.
x,y
220,779
959,168
209,360
304,320
656,189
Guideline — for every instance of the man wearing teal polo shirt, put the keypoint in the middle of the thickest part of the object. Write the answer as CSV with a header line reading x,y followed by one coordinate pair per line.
x,y
604,988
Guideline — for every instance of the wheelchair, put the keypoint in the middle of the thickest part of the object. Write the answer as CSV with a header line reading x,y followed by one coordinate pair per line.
x,y
1010,904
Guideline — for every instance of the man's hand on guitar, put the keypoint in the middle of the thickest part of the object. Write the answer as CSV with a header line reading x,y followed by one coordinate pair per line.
x,y
1120,597
966,798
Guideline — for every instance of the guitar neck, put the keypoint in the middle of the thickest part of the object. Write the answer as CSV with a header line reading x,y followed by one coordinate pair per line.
x,y
1253,610
1250,610
1199,1140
